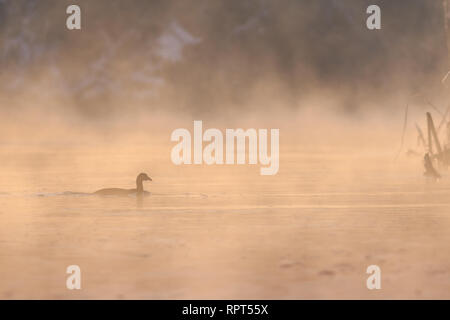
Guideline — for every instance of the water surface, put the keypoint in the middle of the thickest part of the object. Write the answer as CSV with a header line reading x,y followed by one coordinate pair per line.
x,y
220,232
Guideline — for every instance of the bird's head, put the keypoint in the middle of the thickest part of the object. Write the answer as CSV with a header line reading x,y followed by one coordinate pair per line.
x,y
144,177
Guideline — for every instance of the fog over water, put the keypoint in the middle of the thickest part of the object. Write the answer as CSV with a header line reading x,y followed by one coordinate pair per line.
x,y
88,109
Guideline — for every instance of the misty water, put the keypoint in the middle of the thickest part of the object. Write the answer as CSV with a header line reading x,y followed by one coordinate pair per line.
x,y
82,110
220,231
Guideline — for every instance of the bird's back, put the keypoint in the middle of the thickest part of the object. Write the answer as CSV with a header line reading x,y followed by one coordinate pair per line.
x,y
115,192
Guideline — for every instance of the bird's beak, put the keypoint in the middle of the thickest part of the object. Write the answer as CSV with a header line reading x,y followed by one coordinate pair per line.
x,y
150,179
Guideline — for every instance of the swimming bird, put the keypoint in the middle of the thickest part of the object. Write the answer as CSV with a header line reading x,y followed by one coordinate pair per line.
x,y
123,192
